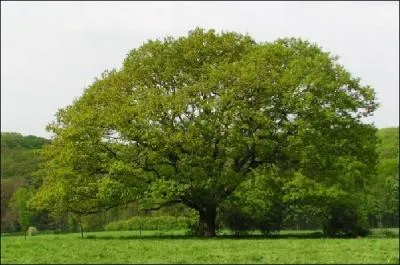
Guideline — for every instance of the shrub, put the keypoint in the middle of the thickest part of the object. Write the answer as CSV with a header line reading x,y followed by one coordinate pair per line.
x,y
240,221
236,220
255,205
388,233
192,224
149,223
345,220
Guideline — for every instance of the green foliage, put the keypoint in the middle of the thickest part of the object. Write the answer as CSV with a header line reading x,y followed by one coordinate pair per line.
x,y
345,220
383,191
149,223
389,143
20,201
15,140
256,204
19,158
19,161
9,215
73,223
191,118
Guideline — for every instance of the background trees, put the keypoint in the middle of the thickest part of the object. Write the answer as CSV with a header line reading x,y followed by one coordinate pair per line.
x,y
20,201
19,161
19,157
383,191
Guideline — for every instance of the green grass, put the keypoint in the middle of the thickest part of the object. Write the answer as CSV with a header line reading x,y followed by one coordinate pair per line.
x,y
174,247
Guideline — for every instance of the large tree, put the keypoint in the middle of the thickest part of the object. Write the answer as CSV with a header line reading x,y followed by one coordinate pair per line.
x,y
190,118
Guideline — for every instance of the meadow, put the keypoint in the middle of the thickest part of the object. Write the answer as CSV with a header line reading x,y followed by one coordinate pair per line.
x,y
291,247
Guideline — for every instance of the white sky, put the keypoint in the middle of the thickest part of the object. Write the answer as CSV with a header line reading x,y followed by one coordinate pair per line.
x,y
50,51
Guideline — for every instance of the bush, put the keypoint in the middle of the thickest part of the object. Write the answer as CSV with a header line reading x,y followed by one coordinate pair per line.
x,y
345,220
240,221
149,223
236,220
255,205
192,224
388,233
94,222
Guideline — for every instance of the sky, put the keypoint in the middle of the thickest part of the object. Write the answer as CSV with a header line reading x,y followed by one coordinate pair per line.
x,y
51,51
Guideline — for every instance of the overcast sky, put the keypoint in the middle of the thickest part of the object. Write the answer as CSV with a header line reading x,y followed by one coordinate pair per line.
x,y
50,51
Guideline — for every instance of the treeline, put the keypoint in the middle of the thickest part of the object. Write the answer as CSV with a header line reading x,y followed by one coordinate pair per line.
x,y
383,196
19,161
19,157
252,207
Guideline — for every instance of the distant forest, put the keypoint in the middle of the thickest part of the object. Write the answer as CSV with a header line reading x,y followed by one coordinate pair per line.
x,y
20,160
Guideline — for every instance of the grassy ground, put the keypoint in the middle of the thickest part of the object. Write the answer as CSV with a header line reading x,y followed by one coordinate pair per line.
x,y
175,247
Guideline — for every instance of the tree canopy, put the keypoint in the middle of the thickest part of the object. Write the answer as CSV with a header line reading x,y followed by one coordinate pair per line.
x,y
192,118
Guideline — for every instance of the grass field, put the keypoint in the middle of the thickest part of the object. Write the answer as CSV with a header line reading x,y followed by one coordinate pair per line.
x,y
153,247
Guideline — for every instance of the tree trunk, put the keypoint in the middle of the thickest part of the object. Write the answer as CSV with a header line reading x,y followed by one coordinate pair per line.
x,y
207,221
